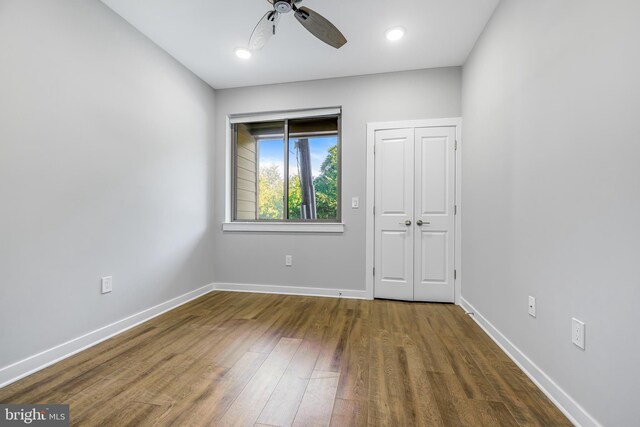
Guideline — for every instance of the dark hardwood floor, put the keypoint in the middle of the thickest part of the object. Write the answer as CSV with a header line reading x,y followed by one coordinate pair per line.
x,y
272,360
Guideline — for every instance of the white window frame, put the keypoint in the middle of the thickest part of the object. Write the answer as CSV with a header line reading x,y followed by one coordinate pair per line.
x,y
280,226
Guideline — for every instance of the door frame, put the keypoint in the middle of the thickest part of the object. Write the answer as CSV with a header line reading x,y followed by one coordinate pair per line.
x,y
372,128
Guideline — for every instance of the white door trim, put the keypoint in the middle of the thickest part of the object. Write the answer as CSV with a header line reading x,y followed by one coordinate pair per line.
x,y
370,224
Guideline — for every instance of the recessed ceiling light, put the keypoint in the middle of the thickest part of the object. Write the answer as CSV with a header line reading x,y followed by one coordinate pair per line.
x,y
243,53
394,34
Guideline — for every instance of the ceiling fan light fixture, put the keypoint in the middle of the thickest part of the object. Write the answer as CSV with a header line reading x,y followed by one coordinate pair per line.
x,y
283,6
243,53
394,34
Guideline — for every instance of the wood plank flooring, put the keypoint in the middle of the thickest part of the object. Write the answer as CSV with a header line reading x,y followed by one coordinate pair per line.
x,y
240,359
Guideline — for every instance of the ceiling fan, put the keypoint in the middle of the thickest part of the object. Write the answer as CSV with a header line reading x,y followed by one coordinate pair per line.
x,y
315,23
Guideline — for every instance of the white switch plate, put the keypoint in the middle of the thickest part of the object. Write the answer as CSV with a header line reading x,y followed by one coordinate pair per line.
x,y
288,260
107,284
532,306
577,332
355,202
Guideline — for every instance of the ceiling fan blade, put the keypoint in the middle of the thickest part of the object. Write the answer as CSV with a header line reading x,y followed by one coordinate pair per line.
x,y
265,29
320,27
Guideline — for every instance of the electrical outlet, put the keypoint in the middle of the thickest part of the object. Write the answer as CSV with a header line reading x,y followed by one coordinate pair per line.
x,y
577,332
107,284
355,202
288,260
532,306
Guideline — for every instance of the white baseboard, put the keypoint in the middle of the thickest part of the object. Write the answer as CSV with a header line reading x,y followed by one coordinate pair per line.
x,y
31,364
576,413
291,290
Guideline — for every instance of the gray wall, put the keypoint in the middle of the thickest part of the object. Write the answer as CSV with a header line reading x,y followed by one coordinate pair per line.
x,y
551,191
104,169
324,261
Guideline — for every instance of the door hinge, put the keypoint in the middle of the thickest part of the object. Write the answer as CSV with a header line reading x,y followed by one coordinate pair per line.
x,y
374,210
456,144
455,274
455,209
374,271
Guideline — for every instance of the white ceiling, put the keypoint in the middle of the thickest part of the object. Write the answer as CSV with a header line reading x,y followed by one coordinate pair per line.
x,y
202,35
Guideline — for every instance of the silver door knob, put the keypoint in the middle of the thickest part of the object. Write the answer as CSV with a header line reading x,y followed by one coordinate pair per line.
x,y
419,222
407,223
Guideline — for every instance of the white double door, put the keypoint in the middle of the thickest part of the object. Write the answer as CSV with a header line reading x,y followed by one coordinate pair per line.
x,y
414,214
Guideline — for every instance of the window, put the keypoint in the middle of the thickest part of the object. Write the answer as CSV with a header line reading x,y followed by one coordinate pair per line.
x,y
287,170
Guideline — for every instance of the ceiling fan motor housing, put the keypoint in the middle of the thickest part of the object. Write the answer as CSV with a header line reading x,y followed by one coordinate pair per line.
x,y
283,6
